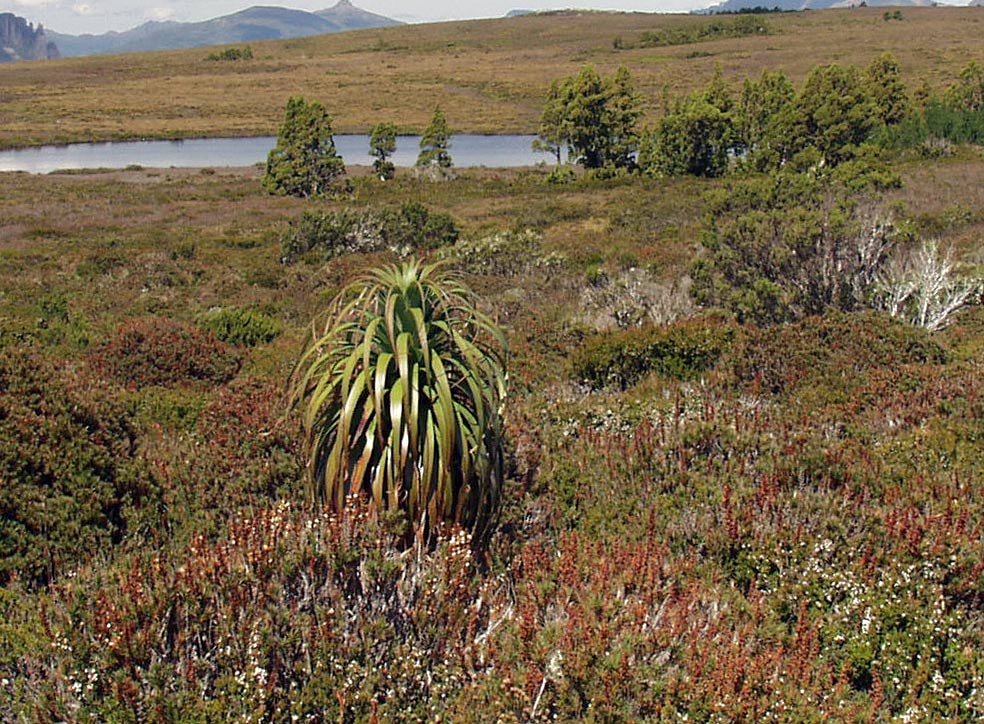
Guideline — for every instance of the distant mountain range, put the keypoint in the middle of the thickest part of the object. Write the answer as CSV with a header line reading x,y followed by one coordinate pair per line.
x,y
252,24
20,40
733,6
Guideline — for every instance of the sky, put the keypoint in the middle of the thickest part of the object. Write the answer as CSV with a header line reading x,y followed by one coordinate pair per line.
x,y
98,16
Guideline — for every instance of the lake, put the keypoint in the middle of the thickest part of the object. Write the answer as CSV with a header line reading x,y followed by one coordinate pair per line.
x,y
466,151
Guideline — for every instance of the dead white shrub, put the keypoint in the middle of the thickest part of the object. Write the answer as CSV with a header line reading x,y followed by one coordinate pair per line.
x,y
922,287
634,297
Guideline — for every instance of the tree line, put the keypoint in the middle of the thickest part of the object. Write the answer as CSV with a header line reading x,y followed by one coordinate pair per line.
x,y
838,115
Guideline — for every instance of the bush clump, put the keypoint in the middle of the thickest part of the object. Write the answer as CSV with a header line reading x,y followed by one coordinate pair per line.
x,y
700,32
682,350
412,226
832,350
71,486
505,254
155,351
244,327
245,53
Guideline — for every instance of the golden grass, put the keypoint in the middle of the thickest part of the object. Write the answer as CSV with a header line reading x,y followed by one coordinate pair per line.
x,y
489,75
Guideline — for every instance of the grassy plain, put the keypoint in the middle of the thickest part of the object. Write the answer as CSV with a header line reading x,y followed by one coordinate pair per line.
x,y
490,75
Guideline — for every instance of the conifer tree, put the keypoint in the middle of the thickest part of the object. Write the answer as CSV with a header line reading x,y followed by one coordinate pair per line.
x,y
596,117
382,145
883,81
553,132
304,161
623,113
435,142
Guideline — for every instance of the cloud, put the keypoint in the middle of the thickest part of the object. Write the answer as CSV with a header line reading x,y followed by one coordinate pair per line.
x,y
34,3
159,13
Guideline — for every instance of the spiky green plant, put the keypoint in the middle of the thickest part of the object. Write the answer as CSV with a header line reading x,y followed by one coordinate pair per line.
x,y
401,388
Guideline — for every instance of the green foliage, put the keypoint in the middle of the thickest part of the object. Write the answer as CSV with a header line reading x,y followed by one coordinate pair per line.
x,y
771,127
382,145
73,485
552,135
304,161
763,116
596,117
967,94
435,142
834,114
957,117
245,53
245,327
412,226
402,390
155,351
622,113
419,227
700,32
682,350
505,254
587,97
783,247
692,139
884,84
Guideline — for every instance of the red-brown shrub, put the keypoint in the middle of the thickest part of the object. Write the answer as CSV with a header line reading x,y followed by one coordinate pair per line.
x,y
165,352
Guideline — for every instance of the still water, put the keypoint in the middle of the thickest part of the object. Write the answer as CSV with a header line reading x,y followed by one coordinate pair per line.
x,y
466,151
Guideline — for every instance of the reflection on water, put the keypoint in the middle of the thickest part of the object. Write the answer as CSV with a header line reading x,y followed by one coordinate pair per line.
x,y
466,151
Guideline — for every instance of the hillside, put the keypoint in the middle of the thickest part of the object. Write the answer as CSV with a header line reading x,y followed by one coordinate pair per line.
x,y
732,6
491,75
20,40
250,25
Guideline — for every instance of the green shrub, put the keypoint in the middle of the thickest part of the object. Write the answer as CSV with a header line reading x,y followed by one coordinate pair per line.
x,y
562,175
155,351
682,350
305,161
245,327
71,483
699,32
416,226
245,53
412,226
333,233
504,253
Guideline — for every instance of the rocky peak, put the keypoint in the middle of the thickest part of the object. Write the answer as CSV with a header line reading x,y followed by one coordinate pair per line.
x,y
20,40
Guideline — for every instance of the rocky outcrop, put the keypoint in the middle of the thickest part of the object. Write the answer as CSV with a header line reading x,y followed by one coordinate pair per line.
x,y
20,40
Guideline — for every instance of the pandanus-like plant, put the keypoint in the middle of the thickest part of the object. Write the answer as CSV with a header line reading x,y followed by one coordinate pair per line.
x,y
401,389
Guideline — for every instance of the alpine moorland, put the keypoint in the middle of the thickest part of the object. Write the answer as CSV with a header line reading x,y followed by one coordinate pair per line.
x,y
690,430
